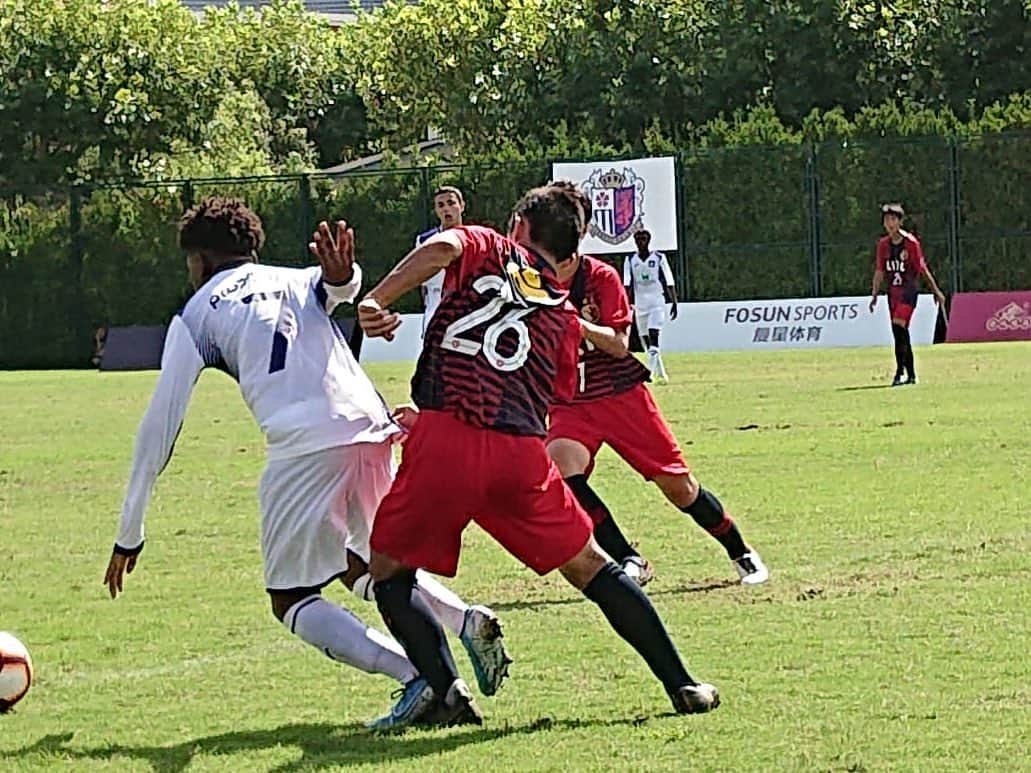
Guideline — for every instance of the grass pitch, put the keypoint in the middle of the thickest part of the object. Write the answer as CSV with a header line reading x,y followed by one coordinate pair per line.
x,y
894,634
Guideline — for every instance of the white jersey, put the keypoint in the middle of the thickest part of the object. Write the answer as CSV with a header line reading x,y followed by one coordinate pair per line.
x,y
269,328
432,288
646,276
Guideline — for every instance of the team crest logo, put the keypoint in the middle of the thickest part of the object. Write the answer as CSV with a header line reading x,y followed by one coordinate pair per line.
x,y
618,202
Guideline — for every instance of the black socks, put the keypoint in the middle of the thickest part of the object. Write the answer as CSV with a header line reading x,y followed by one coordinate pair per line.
x,y
631,614
414,625
708,513
606,530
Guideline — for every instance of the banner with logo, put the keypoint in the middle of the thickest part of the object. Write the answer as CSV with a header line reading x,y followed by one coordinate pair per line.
x,y
990,317
626,196
794,323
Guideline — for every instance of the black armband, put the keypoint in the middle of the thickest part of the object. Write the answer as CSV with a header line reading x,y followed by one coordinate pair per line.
x,y
119,550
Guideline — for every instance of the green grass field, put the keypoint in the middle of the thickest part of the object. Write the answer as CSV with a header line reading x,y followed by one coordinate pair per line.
x,y
894,634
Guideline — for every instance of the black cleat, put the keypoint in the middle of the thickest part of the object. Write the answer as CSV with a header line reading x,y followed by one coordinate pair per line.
x,y
695,698
458,708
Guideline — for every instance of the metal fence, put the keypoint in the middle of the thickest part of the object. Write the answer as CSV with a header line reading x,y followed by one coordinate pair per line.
x,y
756,222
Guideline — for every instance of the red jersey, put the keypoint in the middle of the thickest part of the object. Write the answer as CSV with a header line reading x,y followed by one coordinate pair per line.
x,y
903,263
501,346
597,292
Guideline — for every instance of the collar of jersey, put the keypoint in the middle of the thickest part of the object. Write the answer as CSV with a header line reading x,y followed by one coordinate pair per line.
x,y
230,266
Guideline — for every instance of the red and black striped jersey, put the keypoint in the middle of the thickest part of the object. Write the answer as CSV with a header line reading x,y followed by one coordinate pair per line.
x,y
903,263
597,292
502,345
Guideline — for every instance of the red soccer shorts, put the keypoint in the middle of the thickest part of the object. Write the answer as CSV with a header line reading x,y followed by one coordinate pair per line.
x,y
901,306
630,423
452,473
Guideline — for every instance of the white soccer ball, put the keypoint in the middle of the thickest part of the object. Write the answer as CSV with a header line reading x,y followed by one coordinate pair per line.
x,y
15,671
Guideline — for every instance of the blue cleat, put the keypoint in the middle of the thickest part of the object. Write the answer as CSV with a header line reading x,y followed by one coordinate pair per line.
x,y
414,700
481,637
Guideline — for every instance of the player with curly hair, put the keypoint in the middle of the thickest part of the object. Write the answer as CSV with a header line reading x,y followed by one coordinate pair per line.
x,y
328,431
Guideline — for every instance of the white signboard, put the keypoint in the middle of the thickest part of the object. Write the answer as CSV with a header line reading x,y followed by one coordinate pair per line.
x,y
406,346
626,196
796,323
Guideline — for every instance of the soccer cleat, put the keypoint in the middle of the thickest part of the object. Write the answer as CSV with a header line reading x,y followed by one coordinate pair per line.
x,y
912,379
695,698
481,636
458,708
899,380
638,569
414,701
751,569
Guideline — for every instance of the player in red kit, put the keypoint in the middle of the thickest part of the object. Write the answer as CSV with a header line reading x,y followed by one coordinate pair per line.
x,y
500,348
613,406
900,257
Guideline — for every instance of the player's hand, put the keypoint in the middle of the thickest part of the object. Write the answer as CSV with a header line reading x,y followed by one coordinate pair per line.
x,y
873,303
673,311
335,253
376,321
406,416
119,566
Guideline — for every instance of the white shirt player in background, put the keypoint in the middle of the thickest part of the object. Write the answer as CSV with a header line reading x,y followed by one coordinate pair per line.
x,y
449,206
328,431
649,282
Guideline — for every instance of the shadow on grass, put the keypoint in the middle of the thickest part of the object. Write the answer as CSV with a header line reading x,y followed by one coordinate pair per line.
x,y
322,745
863,388
653,591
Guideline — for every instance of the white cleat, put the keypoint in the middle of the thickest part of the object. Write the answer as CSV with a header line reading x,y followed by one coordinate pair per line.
x,y
751,569
639,570
481,636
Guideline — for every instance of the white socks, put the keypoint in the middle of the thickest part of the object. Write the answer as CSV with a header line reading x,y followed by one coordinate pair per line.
x,y
343,637
445,603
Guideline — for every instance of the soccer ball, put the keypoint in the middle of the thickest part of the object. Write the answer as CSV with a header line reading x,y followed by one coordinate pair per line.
x,y
15,671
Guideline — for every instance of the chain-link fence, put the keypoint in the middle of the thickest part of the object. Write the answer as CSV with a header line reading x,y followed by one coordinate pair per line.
x,y
757,222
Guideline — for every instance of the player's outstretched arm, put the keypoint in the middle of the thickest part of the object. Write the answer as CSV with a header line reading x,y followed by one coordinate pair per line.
x,y
436,253
181,364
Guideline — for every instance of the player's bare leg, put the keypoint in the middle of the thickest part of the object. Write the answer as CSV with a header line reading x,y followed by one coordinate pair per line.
x,y
686,494
630,612
413,623
477,627
573,460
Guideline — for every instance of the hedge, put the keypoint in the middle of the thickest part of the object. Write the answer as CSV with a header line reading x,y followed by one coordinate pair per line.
x,y
757,222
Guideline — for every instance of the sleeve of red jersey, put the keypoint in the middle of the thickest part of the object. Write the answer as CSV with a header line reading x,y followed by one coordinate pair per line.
x,y
882,254
566,373
613,303
478,244
918,255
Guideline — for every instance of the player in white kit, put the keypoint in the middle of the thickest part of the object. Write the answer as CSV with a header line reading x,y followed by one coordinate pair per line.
x,y
649,282
328,431
449,206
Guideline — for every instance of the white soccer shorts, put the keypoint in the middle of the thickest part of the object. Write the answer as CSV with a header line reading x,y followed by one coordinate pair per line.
x,y
316,507
650,318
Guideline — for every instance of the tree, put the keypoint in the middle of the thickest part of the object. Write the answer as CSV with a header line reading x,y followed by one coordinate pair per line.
x,y
90,89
